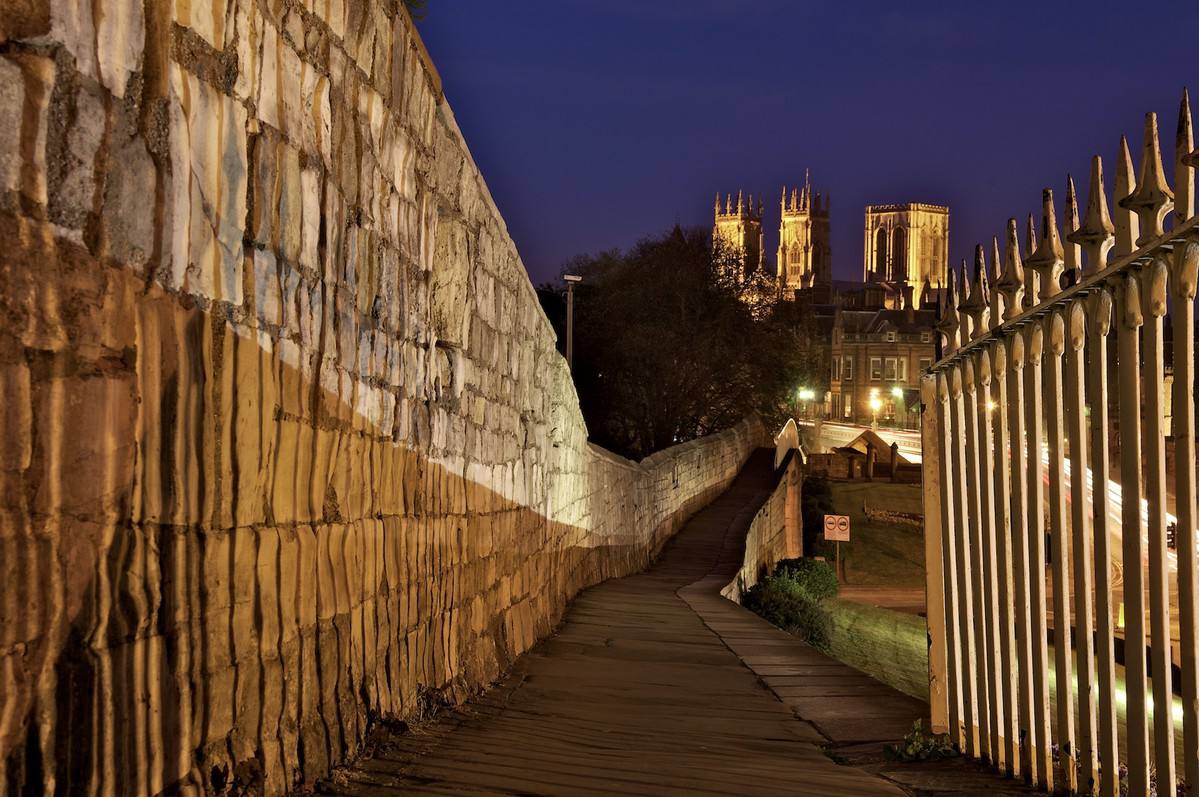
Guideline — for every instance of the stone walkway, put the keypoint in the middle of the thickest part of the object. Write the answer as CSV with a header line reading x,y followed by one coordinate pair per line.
x,y
656,685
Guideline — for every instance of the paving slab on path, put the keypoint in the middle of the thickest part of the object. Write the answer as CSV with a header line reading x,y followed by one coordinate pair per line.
x,y
656,685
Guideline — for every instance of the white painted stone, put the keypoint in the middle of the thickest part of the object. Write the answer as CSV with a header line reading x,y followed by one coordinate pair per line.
x,y
291,110
310,188
267,302
208,160
72,23
247,25
268,76
205,17
121,29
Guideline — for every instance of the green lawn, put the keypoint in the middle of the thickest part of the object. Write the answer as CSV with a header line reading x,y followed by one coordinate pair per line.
x,y
880,555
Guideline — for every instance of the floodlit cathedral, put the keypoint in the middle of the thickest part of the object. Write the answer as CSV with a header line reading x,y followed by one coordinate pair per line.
x,y
876,335
906,246
905,252
804,257
739,228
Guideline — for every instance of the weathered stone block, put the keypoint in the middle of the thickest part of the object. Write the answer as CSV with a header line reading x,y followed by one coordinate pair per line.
x,y
16,434
209,173
24,108
85,473
120,35
128,220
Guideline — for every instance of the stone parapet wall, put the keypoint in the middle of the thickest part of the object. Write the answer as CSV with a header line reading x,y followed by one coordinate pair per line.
x,y
774,533
285,443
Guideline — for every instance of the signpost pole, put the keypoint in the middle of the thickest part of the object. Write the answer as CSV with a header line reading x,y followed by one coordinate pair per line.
x,y
836,529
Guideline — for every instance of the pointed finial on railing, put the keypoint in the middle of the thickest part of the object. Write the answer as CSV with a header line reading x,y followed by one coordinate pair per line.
x,y
996,316
1030,275
1073,254
1184,172
1096,233
948,323
1152,199
966,333
976,304
1047,261
1127,226
1011,282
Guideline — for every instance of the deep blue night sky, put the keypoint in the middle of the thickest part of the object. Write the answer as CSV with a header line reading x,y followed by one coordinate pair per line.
x,y
599,122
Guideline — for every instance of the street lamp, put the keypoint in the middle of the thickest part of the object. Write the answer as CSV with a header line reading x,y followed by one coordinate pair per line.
x,y
570,279
805,394
876,404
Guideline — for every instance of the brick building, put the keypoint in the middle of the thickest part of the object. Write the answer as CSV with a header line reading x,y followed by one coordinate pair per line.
x,y
875,358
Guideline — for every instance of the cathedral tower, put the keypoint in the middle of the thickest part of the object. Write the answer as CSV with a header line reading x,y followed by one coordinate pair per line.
x,y
805,257
738,227
906,246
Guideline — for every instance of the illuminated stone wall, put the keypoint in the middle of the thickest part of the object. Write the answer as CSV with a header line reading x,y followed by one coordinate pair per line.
x,y
285,443
774,533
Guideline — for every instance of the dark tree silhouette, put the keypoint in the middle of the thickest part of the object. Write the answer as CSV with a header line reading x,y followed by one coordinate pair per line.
x,y
672,342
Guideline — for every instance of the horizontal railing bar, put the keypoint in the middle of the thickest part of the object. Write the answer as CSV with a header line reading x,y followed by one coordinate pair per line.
x,y
1165,242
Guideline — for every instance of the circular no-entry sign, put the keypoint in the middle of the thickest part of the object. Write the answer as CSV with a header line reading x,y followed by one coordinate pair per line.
x,y
836,528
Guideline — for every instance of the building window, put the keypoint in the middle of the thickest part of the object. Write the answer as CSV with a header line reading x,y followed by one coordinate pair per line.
x,y
899,255
890,337
926,337
889,369
876,368
880,253
925,363
847,369
848,407
901,369
836,369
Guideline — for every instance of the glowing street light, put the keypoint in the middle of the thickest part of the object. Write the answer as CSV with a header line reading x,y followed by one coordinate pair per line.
x,y
897,391
876,404
805,394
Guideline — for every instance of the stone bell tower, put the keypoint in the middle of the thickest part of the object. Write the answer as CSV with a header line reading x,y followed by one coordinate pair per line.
x,y
804,256
738,228
906,246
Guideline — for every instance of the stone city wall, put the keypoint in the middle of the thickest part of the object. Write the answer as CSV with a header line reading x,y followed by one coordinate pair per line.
x,y
775,532
285,442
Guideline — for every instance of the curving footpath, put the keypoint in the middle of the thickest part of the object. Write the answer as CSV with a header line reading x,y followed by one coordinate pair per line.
x,y
655,685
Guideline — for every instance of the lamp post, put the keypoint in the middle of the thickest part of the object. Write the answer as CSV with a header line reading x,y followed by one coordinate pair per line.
x,y
876,404
901,410
570,279
806,394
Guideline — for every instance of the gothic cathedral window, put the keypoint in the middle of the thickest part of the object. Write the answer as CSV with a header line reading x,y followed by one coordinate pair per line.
x,y
899,255
880,253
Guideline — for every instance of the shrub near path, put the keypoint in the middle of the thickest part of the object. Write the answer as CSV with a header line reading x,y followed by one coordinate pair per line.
x,y
792,599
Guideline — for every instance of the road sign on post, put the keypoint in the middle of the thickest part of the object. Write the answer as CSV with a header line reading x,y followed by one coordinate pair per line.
x,y
836,528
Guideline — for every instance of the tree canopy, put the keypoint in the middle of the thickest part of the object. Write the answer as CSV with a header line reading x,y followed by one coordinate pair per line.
x,y
673,342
